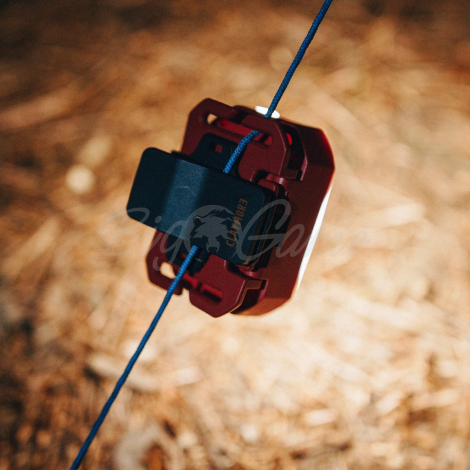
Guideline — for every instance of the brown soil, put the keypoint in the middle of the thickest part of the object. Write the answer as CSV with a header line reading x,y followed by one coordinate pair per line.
x,y
368,367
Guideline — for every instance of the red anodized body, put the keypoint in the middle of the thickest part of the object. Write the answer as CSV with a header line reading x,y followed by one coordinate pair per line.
x,y
292,160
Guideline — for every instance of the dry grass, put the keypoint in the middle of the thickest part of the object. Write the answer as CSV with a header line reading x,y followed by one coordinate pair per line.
x,y
367,367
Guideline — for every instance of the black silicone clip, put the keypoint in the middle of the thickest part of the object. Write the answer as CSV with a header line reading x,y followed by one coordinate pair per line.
x,y
182,196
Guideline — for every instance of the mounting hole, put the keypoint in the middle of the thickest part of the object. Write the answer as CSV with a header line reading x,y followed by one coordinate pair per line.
x,y
167,270
211,118
216,147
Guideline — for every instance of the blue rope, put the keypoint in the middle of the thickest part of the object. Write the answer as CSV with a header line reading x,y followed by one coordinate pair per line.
x,y
184,266
133,360
285,82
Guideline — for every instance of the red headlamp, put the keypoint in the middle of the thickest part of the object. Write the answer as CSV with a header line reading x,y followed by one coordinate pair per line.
x,y
255,226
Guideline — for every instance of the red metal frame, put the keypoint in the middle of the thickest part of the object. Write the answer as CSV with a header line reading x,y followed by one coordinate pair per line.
x,y
292,160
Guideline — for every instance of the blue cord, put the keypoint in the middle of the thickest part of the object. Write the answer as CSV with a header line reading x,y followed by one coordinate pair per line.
x,y
285,82
184,266
133,360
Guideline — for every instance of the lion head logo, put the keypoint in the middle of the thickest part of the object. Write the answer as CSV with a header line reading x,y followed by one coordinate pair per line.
x,y
211,227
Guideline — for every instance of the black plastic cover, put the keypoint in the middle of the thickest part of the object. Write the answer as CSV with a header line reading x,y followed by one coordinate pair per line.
x,y
217,212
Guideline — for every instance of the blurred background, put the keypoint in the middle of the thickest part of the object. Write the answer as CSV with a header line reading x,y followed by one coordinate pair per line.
x,y
368,367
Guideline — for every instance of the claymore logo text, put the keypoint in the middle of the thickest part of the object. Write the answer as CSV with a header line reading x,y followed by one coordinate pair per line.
x,y
236,227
